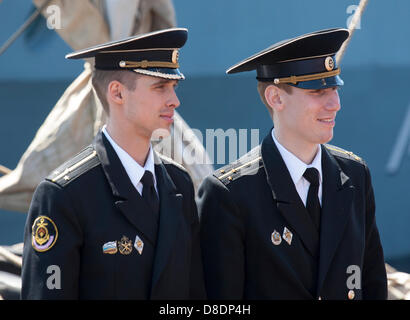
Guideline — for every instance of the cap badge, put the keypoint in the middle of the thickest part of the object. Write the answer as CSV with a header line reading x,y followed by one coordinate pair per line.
x,y
44,234
125,245
276,238
175,56
329,63
138,244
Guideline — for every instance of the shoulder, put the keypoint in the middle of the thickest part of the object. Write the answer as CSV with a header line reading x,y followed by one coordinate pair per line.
x,y
343,154
171,164
177,172
248,164
75,167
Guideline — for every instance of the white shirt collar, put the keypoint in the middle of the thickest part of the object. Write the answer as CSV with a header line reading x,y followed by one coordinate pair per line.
x,y
297,167
134,170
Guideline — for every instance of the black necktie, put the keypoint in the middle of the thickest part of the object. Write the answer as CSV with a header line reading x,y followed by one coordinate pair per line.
x,y
312,202
148,192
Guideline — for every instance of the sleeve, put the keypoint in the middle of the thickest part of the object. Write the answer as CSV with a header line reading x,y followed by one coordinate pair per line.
x,y
52,243
374,278
222,235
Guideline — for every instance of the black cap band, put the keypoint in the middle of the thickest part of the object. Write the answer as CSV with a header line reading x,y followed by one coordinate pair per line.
x,y
109,60
295,68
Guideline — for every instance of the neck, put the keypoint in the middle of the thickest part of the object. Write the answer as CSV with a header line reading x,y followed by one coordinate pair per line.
x,y
137,146
304,151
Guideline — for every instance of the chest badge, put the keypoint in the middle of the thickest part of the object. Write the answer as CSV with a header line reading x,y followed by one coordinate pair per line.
x,y
276,238
287,235
125,245
110,247
138,244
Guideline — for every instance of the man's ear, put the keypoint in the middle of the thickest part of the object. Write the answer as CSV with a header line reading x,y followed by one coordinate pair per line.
x,y
273,97
115,92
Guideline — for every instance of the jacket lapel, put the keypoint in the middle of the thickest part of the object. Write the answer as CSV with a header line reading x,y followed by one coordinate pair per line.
x,y
337,202
128,200
170,218
286,197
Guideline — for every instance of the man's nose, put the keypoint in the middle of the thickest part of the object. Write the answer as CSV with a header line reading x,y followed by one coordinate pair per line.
x,y
333,102
173,100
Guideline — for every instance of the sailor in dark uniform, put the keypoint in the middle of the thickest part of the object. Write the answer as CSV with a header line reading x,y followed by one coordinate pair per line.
x,y
295,217
119,221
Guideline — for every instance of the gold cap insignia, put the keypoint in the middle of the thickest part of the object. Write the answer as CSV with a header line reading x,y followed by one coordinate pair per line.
x,y
44,234
175,56
276,238
329,63
125,245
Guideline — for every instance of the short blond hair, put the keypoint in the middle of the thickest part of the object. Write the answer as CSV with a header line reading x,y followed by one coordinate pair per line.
x,y
262,85
102,78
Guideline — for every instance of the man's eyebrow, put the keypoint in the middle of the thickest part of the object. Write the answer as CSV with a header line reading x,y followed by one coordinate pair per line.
x,y
164,81
323,89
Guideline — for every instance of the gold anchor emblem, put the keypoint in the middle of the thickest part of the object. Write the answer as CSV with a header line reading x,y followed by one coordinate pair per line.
x,y
41,235
44,234
125,245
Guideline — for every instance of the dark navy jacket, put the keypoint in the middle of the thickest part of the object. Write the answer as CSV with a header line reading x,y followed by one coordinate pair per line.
x,y
243,205
92,202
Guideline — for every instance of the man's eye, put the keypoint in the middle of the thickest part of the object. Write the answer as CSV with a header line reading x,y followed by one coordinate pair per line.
x,y
316,92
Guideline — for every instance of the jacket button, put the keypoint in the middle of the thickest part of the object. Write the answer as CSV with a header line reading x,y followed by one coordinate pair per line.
x,y
350,294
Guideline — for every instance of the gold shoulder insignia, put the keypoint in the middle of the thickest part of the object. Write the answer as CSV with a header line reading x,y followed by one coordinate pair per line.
x,y
168,160
342,151
67,171
246,165
74,167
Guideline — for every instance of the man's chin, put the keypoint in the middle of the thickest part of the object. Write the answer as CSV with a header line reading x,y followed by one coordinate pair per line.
x,y
161,133
326,139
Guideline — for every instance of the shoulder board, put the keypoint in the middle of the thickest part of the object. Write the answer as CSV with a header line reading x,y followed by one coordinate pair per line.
x,y
76,166
343,153
245,165
167,160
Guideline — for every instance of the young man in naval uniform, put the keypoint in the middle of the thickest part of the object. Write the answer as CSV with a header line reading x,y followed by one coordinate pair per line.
x,y
118,221
295,217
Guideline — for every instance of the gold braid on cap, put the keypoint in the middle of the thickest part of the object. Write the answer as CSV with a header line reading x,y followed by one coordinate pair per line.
x,y
148,64
316,76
